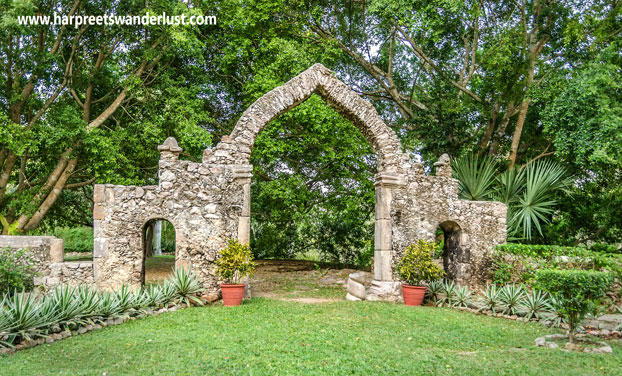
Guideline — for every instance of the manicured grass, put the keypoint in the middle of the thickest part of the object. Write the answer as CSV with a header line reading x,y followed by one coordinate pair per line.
x,y
267,337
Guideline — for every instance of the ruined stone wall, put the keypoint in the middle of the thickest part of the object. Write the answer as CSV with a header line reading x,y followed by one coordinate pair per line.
x,y
429,201
201,201
47,253
42,250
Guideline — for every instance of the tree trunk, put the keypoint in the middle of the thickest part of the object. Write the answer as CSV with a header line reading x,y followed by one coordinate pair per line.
x,y
157,238
149,240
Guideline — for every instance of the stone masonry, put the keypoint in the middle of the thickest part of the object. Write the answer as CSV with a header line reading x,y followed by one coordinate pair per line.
x,y
46,253
209,202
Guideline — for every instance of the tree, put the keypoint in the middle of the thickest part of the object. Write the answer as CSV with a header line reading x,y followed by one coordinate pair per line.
x,y
69,94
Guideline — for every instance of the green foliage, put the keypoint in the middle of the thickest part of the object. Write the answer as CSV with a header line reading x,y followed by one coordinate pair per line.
x,y
535,304
76,239
475,176
491,298
28,316
511,297
16,272
577,292
433,291
553,256
464,296
235,262
448,294
187,285
529,192
417,265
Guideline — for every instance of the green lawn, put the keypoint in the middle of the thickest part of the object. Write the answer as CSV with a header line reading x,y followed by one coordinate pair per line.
x,y
268,337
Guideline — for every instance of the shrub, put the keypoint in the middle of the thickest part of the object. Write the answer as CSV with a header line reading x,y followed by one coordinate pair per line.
x,y
417,264
16,272
578,292
235,262
76,239
555,256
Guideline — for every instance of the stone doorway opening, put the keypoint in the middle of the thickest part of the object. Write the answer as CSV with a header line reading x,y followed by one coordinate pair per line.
x,y
456,256
159,250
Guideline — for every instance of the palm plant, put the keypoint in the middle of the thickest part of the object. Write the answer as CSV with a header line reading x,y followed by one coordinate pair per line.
x,y
475,176
535,304
433,291
186,285
448,294
463,296
543,179
491,298
511,296
529,191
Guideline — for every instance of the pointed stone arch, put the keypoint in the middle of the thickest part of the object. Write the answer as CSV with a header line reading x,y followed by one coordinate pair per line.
x,y
318,79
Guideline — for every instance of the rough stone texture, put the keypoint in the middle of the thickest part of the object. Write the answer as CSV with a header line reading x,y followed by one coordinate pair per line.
x,y
47,253
42,249
209,202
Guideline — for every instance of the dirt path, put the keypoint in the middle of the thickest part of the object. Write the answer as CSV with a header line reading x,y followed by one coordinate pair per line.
x,y
292,280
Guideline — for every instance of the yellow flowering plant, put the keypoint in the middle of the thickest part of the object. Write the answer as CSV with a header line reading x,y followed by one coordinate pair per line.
x,y
417,264
235,262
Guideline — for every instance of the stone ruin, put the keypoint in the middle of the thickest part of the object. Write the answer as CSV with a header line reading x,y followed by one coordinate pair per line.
x,y
209,202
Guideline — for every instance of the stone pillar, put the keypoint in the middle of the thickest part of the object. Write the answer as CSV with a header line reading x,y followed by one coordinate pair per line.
x,y
383,243
242,175
383,287
169,150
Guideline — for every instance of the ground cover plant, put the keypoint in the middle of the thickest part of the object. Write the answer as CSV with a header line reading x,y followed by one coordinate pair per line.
x,y
276,337
28,317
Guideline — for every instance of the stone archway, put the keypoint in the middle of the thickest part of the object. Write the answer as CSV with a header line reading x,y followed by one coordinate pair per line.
x,y
236,148
209,202
456,256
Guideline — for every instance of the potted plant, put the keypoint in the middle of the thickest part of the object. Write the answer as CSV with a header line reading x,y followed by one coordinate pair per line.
x,y
235,263
415,267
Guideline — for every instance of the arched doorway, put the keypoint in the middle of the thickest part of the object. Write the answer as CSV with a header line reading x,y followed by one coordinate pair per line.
x,y
456,257
159,248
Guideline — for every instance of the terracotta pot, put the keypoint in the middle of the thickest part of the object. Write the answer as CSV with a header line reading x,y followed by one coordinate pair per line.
x,y
232,295
413,295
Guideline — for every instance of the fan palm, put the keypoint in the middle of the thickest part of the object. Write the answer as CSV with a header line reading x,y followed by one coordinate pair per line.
x,y
475,176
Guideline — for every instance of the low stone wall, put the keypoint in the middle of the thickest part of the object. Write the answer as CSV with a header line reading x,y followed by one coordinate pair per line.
x,y
46,253
44,250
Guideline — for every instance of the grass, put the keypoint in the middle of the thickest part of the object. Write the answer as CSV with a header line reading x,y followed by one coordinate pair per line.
x,y
265,337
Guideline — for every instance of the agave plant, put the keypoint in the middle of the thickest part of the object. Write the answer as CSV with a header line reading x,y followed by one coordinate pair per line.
x,y
69,310
89,298
153,296
125,298
108,305
491,298
556,316
511,296
535,304
169,292
186,285
23,311
433,291
463,296
6,326
448,294
475,176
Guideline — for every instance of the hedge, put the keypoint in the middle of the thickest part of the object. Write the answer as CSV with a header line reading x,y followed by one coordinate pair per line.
x,y
551,253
